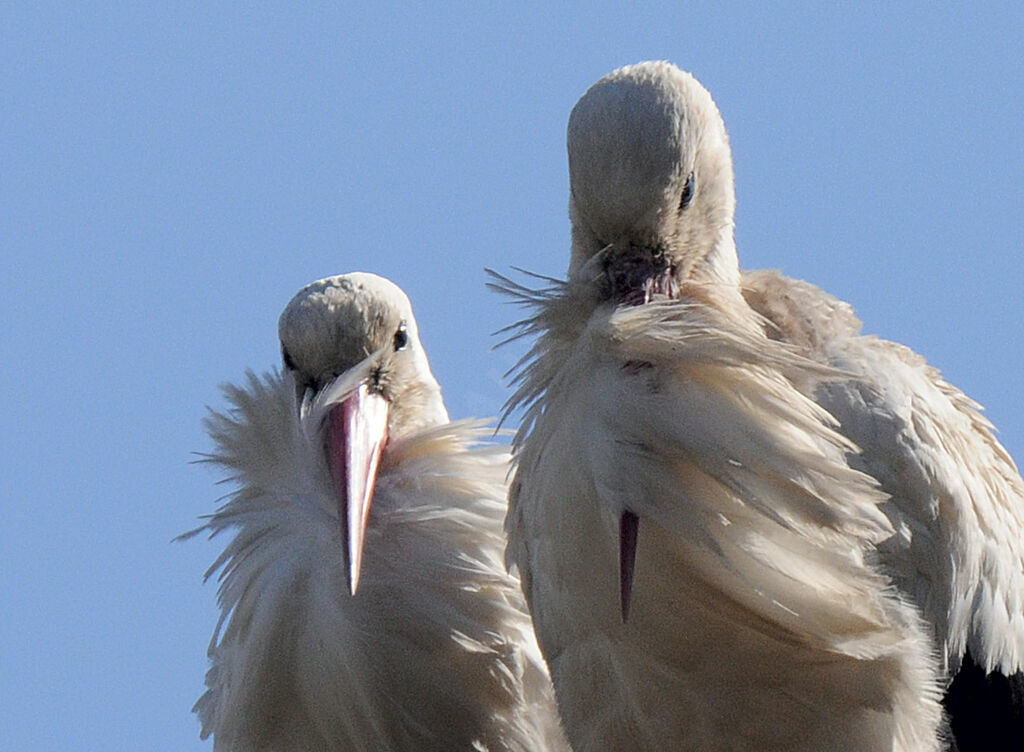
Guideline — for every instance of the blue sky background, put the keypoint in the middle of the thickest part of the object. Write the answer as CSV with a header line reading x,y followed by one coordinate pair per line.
x,y
170,176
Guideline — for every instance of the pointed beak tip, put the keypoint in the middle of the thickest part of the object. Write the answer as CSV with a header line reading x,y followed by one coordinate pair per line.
x,y
628,526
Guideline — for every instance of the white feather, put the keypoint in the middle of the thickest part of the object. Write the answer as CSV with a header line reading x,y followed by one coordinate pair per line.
x,y
782,600
957,499
758,622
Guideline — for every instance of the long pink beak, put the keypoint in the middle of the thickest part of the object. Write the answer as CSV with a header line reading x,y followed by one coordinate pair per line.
x,y
356,437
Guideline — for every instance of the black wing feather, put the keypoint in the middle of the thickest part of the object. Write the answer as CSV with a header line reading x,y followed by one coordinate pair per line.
x,y
986,712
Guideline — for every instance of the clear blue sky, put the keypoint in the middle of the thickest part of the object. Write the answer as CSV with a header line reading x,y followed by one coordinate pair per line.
x,y
170,176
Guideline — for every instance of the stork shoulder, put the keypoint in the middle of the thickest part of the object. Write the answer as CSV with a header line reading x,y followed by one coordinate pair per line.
x,y
956,496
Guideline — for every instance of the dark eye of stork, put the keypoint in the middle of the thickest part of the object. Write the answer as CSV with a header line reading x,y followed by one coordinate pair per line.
x,y
287,358
684,201
401,338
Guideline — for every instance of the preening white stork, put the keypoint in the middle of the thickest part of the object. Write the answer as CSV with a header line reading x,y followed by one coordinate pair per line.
x,y
422,641
740,525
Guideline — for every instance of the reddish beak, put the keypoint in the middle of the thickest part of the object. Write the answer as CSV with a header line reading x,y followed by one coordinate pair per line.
x,y
638,274
356,436
628,525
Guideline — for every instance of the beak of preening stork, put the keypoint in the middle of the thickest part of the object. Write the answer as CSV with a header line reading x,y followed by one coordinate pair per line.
x,y
638,274
350,344
357,432
652,200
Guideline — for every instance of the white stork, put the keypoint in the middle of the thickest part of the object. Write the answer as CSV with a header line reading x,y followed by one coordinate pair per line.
x,y
420,643
741,525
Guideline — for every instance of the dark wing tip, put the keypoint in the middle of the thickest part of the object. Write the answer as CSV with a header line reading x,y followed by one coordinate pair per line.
x,y
986,711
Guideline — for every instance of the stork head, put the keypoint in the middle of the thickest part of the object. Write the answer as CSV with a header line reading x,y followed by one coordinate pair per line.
x,y
352,348
650,172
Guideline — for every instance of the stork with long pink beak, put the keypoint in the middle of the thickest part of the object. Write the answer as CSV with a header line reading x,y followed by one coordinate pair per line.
x,y
365,605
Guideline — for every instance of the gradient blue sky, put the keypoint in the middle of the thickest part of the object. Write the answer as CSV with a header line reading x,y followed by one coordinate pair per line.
x,y
170,175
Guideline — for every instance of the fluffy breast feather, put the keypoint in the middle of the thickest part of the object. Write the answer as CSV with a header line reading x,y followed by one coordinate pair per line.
x,y
434,653
755,535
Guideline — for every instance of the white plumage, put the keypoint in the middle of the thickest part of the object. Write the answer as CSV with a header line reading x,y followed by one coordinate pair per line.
x,y
719,481
956,498
434,650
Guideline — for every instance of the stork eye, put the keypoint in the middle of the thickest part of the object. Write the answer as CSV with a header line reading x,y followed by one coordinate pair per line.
x,y
287,358
401,337
684,201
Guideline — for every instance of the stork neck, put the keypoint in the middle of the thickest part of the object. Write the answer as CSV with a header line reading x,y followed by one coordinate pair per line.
x,y
719,266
